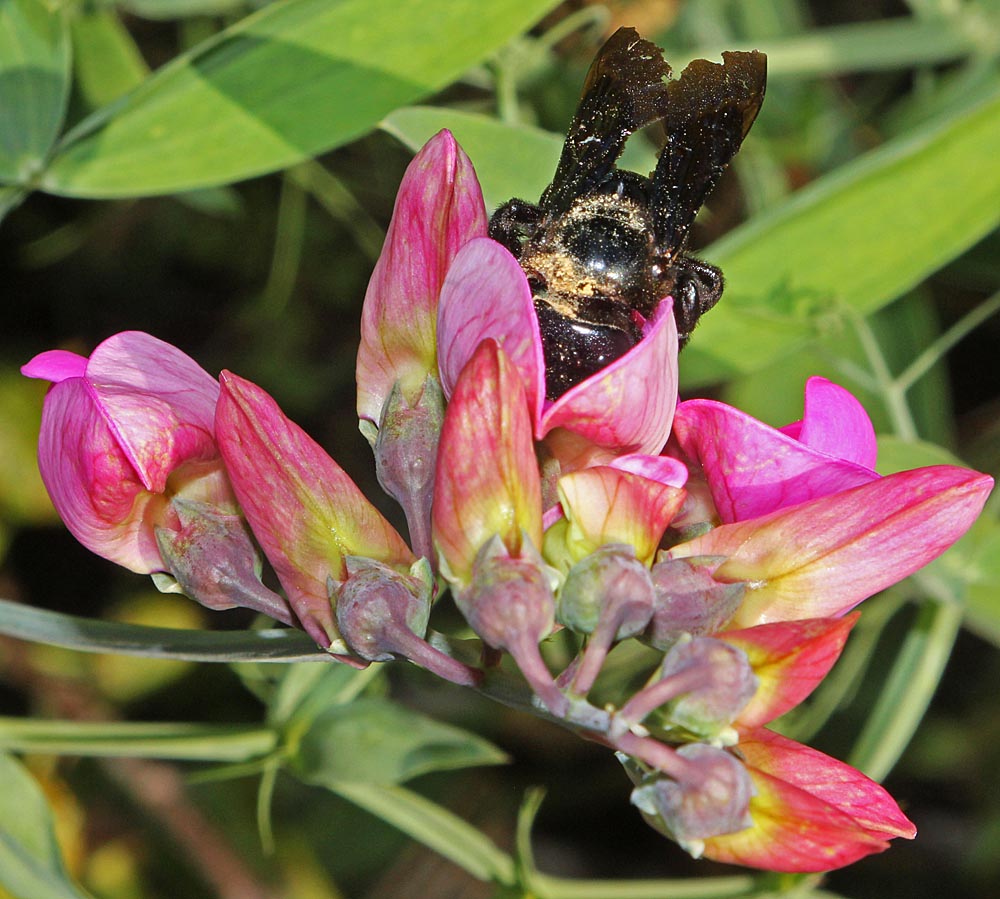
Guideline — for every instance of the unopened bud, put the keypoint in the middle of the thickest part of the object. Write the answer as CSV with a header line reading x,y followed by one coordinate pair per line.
x,y
213,560
608,586
379,609
722,683
405,446
711,799
689,600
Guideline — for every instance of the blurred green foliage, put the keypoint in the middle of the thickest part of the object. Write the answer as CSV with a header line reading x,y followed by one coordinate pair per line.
x,y
858,233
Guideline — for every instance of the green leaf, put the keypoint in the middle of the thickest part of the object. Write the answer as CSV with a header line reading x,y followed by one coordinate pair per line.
x,y
982,595
434,826
860,236
178,9
376,741
287,82
106,60
510,160
31,866
88,635
34,85
168,740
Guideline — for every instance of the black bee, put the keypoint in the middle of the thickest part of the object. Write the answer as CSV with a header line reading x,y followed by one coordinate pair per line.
x,y
604,245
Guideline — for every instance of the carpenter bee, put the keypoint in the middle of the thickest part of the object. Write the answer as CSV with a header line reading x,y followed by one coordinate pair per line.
x,y
605,245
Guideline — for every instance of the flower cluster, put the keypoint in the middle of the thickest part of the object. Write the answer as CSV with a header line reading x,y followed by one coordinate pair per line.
x,y
735,551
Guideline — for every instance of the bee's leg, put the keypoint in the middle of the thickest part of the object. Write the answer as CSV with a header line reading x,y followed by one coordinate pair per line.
x,y
698,287
514,223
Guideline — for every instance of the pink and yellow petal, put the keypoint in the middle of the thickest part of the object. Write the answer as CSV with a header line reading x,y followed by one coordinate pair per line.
x,y
304,510
439,207
94,487
821,558
606,505
811,812
790,658
487,483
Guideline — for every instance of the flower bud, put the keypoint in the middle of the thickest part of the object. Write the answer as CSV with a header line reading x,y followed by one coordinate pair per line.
x,y
609,586
376,605
689,600
406,446
721,683
711,800
215,562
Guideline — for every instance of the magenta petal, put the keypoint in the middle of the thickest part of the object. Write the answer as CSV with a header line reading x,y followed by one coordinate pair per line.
x,y
159,402
629,404
438,208
92,483
835,423
753,469
55,366
486,295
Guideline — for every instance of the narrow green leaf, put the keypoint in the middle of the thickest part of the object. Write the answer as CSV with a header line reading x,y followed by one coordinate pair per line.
x,y
179,9
510,160
34,85
106,60
287,82
31,866
434,826
860,236
88,635
169,740
377,741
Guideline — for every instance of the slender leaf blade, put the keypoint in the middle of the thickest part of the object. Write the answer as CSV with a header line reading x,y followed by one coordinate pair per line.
x,y
287,82
34,85
89,635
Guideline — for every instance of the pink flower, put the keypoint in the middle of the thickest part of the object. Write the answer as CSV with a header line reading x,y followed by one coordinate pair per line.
x,y
123,433
810,812
626,407
753,469
807,525
305,512
439,208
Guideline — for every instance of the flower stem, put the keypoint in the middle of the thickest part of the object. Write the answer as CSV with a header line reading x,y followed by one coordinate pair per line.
x,y
430,658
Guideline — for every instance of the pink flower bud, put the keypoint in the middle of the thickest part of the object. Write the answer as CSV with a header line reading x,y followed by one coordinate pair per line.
x,y
439,208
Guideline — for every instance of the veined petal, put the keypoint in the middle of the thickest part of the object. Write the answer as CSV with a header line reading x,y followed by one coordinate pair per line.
x,y
606,505
822,558
438,208
304,510
664,469
157,402
790,658
628,405
753,469
487,477
835,423
486,295
93,485
811,812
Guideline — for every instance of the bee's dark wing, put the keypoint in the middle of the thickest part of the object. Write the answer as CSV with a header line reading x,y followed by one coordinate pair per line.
x,y
624,91
710,109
